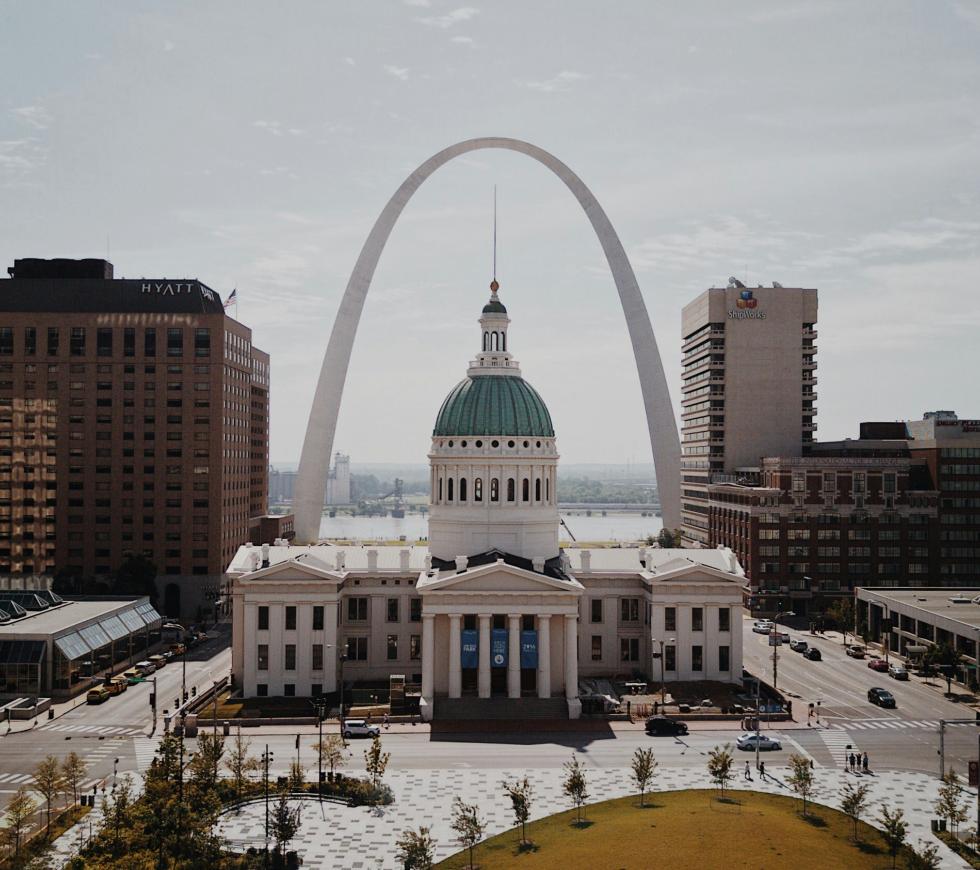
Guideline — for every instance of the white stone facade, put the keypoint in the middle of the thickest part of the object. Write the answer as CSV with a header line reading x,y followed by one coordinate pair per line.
x,y
395,614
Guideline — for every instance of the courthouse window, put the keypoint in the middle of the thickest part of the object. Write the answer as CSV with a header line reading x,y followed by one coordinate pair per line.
x,y
263,618
290,657
629,648
597,647
262,657
290,618
357,609
392,614
415,647
317,657
317,617
597,610
697,619
630,609
724,619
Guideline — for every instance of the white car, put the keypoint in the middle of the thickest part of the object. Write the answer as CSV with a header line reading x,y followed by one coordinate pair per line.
x,y
897,672
762,627
359,728
748,741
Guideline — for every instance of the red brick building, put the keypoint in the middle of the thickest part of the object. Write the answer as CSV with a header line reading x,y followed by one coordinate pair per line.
x,y
134,418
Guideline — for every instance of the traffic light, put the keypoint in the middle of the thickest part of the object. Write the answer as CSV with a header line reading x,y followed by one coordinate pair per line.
x,y
193,691
153,699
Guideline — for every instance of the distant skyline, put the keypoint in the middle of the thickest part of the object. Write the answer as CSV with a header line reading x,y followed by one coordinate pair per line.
x,y
819,144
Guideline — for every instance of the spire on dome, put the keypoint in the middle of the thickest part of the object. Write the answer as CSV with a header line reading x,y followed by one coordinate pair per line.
x,y
494,306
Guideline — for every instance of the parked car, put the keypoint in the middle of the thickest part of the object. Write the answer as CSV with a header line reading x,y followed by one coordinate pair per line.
x,y
158,661
784,636
178,649
855,651
132,676
878,664
881,697
813,654
898,672
146,667
359,728
660,726
748,741
97,695
762,626
798,645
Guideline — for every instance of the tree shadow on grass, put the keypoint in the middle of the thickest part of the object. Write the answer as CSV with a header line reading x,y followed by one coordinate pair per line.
x,y
524,848
816,821
868,848
583,823
650,805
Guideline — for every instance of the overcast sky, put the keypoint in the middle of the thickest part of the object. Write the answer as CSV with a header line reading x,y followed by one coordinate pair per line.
x,y
821,144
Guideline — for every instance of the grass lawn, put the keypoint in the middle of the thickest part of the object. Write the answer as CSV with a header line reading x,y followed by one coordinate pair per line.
x,y
687,829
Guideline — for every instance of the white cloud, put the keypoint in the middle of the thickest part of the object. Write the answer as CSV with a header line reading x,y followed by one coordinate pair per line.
x,y
462,40
35,116
422,3
967,10
349,61
168,46
399,72
559,82
450,19
276,128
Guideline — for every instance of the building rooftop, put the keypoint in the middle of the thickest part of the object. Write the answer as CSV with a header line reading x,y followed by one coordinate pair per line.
x,y
88,286
951,603
74,614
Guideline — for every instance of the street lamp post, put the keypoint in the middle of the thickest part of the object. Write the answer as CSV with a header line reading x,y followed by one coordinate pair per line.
x,y
320,704
341,658
774,634
266,759
663,679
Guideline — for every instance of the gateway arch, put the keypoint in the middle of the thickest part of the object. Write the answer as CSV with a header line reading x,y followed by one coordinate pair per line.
x,y
314,463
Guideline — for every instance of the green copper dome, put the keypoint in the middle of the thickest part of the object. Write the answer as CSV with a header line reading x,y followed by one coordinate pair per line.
x,y
494,405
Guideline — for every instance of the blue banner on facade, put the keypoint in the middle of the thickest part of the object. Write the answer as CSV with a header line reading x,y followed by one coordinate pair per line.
x,y
469,656
498,648
529,649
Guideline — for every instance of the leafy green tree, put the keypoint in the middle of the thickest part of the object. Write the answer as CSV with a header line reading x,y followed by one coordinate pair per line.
x,y
72,773
926,858
331,752
239,763
841,613
947,659
375,760
520,793
414,849
854,803
721,765
49,783
575,785
467,825
894,830
801,778
117,814
949,801
206,762
136,576
644,767
297,776
285,821
17,818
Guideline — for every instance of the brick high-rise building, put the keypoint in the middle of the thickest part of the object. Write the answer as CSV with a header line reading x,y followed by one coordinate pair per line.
x,y
134,419
748,389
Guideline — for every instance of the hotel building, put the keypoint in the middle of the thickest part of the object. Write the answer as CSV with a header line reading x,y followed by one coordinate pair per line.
x,y
749,387
133,420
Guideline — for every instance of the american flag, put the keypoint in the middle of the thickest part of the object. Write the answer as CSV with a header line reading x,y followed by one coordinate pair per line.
x,y
232,299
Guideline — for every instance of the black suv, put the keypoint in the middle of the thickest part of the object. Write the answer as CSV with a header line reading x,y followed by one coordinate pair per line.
x,y
813,654
660,726
881,697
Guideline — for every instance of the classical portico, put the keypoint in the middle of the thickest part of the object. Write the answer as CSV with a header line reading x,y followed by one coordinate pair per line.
x,y
498,630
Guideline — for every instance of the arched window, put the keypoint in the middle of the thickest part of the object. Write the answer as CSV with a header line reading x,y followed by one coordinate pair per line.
x,y
537,489
526,489
547,490
449,489
503,341
494,489
486,340
440,489
462,489
493,341
478,489
510,489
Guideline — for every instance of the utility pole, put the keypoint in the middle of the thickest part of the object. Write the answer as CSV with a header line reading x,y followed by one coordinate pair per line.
x,y
266,759
758,719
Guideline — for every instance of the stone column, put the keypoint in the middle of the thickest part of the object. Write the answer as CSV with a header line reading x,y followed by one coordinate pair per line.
x,y
571,655
544,655
428,656
514,655
483,676
455,653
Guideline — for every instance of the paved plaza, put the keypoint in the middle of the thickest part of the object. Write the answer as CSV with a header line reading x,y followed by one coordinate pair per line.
x,y
360,838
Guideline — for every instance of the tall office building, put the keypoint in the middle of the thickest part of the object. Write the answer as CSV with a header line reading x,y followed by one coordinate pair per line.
x,y
749,378
134,418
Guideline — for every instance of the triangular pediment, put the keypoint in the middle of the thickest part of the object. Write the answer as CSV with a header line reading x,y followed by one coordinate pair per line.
x,y
291,570
683,570
498,577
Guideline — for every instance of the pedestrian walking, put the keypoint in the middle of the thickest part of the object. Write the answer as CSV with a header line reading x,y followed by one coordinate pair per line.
x,y
853,761
748,774
387,721
864,762
762,769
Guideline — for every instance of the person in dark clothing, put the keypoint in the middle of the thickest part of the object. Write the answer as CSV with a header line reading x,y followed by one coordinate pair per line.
x,y
853,761
748,773
864,762
762,769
